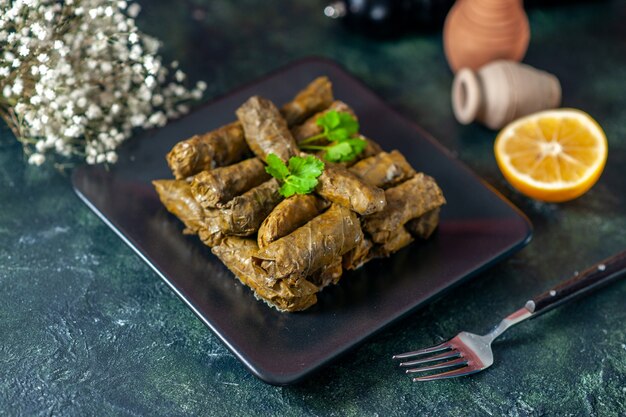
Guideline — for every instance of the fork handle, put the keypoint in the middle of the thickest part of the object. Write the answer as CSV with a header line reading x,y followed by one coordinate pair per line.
x,y
581,283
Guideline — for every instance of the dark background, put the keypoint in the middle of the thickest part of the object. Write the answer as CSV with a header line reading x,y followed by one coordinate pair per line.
x,y
87,329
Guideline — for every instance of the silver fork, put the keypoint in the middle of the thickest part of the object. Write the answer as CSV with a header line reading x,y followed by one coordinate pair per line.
x,y
468,353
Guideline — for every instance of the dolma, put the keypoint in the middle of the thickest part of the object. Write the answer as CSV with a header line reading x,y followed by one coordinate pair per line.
x,y
177,198
338,185
210,232
217,148
372,148
317,96
424,226
243,215
227,145
285,295
358,256
406,201
288,215
383,170
311,128
265,129
399,239
328,274
216,187
307,249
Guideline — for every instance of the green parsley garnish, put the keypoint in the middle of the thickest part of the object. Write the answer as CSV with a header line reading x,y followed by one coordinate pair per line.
x,y
340,128
299,177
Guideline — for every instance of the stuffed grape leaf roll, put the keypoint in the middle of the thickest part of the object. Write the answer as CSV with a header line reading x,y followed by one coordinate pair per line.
x,y
243,215
210,232
288,215
285,295
328,274
217,148
218,186
177,198
424,226
399,239
358,256
383,170
265,129
338,185
227,145
307,249
406,201
317,96
372,148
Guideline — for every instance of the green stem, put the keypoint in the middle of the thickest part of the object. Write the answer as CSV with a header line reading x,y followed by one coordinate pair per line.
x,y
314,147
313,139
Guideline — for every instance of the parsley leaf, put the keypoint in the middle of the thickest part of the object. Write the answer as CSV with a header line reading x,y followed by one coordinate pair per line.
x,y
276,167
340,129
345,151
299,177
338,126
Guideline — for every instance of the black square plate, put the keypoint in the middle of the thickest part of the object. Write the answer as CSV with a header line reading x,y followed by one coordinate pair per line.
x,y
478,228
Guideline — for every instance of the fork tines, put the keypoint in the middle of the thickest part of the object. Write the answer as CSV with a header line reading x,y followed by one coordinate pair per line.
x,y
436,358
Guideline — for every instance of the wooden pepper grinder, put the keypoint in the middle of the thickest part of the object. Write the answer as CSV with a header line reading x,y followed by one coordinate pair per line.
x,y
477,32
501,92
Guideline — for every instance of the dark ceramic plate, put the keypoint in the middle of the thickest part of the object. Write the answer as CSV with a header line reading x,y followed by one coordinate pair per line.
x,y
478,228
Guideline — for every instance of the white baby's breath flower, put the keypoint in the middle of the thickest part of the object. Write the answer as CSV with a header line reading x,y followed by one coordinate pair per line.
x,y
18,86
137,119
40,146
49,94
133,10
19,107
35,100
151,44
157,100
72,131
36,159
150,81
23,50
111,157
82,90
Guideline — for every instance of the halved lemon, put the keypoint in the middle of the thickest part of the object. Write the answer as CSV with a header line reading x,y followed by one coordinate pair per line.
x,y
554,155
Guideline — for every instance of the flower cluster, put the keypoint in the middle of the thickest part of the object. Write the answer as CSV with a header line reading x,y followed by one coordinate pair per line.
x,y
77,77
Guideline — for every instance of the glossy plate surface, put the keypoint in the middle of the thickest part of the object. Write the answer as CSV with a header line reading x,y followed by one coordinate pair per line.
x,y
478,228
